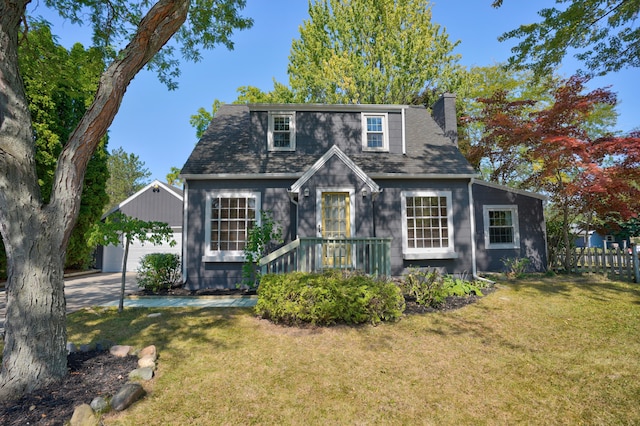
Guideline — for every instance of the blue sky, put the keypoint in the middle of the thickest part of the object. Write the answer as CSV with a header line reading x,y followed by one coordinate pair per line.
x,y
153,122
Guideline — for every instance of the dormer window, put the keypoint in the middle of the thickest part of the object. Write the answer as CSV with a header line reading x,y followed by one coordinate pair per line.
x,y
375,135
282,131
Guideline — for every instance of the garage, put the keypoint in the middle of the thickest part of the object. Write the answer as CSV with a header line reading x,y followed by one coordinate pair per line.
x,y
158,202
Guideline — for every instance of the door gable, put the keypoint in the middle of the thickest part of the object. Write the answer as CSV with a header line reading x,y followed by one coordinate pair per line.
x,y
334,151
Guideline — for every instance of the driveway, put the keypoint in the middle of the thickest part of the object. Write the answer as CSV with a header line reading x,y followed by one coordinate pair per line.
x,y
87,290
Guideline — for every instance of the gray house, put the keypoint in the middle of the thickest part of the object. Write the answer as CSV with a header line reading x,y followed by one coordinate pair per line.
x,y
158,202
379,188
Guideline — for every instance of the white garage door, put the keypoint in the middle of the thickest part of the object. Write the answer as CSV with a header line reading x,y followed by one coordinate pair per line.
x,y
112,256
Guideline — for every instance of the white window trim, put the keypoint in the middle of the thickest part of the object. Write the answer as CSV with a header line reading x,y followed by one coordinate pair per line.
x,y
516,227
427,253
228,255
292,131
385,131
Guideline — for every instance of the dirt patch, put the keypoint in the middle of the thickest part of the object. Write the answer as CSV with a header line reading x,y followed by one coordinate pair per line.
x,y
91,374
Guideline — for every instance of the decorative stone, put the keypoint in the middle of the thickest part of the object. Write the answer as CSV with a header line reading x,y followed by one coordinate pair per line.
x,y
149,351
127,395
103,345
154,315
99,404
147,362
145,373
71,348
87,348
120,350
83,416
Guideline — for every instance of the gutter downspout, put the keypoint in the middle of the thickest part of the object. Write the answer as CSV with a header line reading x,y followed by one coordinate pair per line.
x,y
404,139
185,203
292,197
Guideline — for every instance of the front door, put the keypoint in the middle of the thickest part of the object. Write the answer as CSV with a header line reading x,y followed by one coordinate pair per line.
x,y
335,224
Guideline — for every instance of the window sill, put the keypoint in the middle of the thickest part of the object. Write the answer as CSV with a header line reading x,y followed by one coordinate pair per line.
x,y
223,258
430,255
503,246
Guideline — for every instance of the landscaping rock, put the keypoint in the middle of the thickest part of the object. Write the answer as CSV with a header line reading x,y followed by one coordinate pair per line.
x,y
83,416
99,404
120,350
149,351
127,395
71,348
145,373
154,315
147,362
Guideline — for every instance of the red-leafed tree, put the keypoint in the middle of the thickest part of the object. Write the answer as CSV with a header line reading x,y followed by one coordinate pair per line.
x,y
581,174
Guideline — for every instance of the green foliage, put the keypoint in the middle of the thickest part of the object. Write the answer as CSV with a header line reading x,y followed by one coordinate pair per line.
x,y
158,271
603,34
515,267
261,237
118,225
328,298
173,176
60,85
371,52
127,175
429,287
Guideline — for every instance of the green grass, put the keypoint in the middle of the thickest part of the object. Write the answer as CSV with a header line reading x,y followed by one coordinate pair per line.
x,y
558,350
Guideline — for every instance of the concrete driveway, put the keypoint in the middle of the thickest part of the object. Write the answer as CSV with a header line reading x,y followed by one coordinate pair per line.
x,y
87,290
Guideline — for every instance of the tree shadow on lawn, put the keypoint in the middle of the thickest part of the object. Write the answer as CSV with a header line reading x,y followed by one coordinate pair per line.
x,y
563,284
139,327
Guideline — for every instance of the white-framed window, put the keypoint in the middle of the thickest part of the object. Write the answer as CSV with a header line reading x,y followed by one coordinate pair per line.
x,y
229,216
427,225
375,133
282,131
501,230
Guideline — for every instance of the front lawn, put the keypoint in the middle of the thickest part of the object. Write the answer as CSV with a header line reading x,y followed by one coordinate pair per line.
x,y
537,351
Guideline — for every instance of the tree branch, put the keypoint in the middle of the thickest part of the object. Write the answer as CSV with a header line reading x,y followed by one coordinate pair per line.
x,y
155,29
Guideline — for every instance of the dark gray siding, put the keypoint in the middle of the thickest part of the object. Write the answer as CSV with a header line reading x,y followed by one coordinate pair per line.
x,y
159,206
374,217
202,274
532,229
388,223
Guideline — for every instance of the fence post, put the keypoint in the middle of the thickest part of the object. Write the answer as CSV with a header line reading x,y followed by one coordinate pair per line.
x,y
634,259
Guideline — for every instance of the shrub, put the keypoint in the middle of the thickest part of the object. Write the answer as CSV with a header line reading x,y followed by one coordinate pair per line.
x,y
327,298
158,271
515,267
429,287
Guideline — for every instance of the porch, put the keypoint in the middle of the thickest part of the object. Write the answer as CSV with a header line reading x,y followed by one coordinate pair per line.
x,y
371,256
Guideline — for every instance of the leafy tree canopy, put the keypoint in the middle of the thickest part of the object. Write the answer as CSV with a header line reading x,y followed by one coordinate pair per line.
x,y
208,24
370,51
604,33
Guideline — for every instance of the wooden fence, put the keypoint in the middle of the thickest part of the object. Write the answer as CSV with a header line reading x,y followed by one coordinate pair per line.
x,y
616,262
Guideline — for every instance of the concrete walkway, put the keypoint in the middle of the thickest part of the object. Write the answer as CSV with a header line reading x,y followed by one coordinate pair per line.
x,y
103,289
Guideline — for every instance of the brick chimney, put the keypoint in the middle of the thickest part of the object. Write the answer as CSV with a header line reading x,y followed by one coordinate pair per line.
x,y
444,113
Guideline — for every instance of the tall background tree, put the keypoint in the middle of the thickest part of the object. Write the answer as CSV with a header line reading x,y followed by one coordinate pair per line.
x,y
603,33
371,51
127,175
36,233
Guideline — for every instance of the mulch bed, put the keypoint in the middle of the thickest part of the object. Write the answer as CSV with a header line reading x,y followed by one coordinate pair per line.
x,y
91,374
98,373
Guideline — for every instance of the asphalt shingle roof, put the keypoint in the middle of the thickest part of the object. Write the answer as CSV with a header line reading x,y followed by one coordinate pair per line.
x,y
229,148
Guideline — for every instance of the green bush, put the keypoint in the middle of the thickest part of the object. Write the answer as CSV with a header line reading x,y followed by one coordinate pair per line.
x,y
515,267
429,287
158,271
328,298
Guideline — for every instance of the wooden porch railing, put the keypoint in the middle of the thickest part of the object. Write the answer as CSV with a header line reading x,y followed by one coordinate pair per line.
x,y
369,255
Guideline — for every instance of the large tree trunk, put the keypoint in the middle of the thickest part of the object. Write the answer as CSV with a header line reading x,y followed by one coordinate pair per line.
x,y
35,332
36,235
